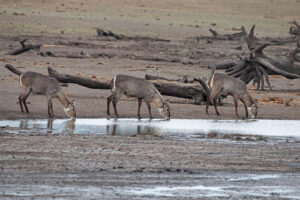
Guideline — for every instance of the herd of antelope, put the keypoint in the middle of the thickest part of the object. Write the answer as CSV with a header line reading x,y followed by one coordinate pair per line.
x,y
219,84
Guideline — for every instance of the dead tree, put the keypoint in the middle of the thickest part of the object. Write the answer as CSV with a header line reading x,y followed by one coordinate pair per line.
x,y
24,48
217,36
294,29
258,66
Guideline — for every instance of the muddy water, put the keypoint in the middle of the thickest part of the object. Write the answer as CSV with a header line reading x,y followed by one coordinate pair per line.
x,y
177,128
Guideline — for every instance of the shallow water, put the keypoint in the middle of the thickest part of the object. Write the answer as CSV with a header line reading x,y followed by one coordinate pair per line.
x,y
178,128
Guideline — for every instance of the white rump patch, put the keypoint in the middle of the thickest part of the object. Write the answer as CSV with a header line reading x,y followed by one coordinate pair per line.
x,y
114,85
67,109
249,109
160,110
212,81
21,84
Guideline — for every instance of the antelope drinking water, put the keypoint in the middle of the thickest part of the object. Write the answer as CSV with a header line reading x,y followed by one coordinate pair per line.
x,y
140,88
222,84
49,86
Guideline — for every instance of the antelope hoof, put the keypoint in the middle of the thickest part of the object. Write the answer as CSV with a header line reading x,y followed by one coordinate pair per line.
x,y
139,117
108,117
218,113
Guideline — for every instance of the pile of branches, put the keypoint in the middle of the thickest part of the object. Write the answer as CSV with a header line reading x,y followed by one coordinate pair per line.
x,y
257,66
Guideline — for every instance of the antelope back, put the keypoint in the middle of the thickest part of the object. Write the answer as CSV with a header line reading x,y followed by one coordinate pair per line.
x,y
133,87
39,83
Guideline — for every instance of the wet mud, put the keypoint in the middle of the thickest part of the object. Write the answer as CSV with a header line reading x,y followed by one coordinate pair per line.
x,y
128,158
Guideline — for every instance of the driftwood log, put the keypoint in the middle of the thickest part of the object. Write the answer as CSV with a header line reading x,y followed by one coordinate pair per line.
x,y
82,55
232,36
107,33
24,48
181,90
217,36
83,81
258,65
181,80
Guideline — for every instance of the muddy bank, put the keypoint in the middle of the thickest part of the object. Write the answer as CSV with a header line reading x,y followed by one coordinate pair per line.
x,y
92,153
208,185
69,166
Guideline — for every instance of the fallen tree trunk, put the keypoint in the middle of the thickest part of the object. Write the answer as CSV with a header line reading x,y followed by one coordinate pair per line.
x,y
198,93
24,48
76,56
181,90
187,91
181,80
107,33
83,81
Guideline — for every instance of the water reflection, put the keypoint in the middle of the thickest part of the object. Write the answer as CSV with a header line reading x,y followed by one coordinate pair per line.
x,y
116,129
179,128
47,127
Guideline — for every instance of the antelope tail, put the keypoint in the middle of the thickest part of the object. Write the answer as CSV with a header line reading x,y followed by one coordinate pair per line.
x,y
211,77
13,69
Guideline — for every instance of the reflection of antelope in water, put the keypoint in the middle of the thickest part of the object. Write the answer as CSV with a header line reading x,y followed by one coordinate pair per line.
x,y
222,84
49,86
140,130
69,126
140,88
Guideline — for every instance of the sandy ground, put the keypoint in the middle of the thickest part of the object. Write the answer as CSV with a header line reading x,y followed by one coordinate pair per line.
x,y
68,27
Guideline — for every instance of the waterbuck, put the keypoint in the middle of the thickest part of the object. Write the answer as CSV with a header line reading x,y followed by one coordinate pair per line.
x,y
222,84
49,86
140,88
